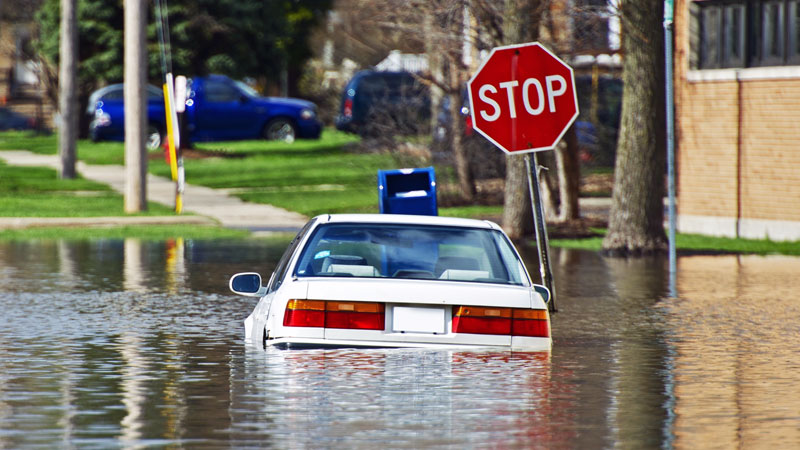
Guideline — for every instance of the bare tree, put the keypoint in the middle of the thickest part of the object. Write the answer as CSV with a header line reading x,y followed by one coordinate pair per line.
x,y
520,23
637,213
68,100
440,27
452,32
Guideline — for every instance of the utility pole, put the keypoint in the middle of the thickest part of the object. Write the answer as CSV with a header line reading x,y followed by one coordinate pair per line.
x,y
67,86
135,107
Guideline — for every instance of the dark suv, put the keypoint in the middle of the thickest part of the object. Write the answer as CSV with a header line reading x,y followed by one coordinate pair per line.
x,y
379,102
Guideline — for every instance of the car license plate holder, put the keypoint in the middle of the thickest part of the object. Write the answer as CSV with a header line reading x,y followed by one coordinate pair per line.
x,y
409,319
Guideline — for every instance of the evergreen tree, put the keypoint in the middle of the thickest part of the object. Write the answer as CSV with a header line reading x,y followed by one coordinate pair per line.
x,y
239,38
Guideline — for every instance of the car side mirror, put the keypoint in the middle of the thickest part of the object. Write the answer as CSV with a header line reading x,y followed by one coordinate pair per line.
x,y
543,291
247,284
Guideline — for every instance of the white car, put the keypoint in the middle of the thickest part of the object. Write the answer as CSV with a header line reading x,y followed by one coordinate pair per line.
x,y
382,280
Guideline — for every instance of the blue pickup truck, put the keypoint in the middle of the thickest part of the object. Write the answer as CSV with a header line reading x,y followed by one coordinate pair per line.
x,y
217,109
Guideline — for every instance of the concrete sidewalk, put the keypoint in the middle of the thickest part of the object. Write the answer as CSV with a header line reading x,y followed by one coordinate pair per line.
x,y
214,206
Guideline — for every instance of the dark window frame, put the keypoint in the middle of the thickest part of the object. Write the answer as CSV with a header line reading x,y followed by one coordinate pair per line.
x,y
746,33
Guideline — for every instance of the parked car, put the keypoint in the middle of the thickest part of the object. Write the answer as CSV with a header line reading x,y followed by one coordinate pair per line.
x,y
375,102
106,108
10,120
384,280
217,108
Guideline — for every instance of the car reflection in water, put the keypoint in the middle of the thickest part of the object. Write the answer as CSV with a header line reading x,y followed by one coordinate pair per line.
x,y
410,398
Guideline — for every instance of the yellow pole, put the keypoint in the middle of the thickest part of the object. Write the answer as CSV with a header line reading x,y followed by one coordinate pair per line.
x,y
173,160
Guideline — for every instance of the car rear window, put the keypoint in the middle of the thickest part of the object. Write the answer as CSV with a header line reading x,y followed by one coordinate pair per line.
x,y
411,251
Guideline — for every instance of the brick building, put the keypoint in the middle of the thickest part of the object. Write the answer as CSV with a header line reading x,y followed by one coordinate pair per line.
x,y
21,88
737,96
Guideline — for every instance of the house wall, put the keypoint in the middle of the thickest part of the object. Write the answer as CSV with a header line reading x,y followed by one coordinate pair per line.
x,y
6,59
738,146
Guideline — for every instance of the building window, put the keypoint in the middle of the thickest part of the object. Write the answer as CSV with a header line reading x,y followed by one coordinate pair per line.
x,y
746,33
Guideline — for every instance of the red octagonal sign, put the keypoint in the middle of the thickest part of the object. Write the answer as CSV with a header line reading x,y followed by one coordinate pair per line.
x,y
522,98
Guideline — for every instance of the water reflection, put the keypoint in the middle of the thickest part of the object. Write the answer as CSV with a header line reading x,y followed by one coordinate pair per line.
x,y
137,343
408,398
735,331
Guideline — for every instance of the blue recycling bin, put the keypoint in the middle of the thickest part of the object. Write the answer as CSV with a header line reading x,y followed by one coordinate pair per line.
x,y
407,191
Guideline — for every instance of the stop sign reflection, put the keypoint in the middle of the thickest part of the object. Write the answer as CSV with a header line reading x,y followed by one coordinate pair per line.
x,y
522,98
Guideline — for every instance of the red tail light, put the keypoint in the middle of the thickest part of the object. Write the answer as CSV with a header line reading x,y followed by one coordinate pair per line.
x,y
530,322
502,321
348,108
478,320
355,315
304,313
345,315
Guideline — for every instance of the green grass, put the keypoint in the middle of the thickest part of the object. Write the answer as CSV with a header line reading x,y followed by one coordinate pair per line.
x,y
478,211
149,232
47,144
38,192
698,243
41,143
309,176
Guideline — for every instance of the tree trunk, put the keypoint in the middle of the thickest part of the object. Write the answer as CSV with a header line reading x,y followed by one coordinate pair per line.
x,y
68,87
569,177
637,212
520,24
457,78
466,179
517,213
549,183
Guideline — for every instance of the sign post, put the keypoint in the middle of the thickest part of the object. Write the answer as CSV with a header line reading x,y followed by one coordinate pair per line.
x,y
673,258
522,99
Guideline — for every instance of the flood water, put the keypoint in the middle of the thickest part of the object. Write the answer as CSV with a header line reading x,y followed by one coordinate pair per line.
x,y
129,344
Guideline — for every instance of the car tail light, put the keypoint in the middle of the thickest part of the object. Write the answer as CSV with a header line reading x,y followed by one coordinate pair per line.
x,y
348,108
347,315
502,321
478,320
530,322
355,315
304,313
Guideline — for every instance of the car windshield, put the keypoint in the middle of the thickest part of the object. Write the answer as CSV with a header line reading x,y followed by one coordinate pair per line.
x,y
411,251
247,89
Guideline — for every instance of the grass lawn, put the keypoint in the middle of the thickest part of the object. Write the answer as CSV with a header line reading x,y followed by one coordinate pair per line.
x,y
148,232
38,192
698,243
47,144
308,176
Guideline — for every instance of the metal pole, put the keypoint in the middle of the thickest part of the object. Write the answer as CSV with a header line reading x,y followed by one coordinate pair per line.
x,y
541,230
673,259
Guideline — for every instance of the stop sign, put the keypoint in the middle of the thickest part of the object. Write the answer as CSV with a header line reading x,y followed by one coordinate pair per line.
x,y
522,98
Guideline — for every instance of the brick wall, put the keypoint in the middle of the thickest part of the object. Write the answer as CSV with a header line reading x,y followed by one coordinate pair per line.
x,y
771,149
707,137
738,146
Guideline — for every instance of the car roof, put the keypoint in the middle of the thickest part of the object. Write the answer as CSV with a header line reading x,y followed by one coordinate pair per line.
x,y
407,219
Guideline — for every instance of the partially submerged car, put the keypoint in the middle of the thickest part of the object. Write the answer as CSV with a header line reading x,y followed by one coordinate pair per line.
x,y
383,280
